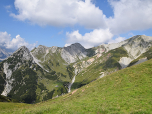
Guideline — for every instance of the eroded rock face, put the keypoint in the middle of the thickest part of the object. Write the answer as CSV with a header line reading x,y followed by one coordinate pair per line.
x,y
138,45
23,52
135,46
53,49
40,51
73,53
125,61
9,80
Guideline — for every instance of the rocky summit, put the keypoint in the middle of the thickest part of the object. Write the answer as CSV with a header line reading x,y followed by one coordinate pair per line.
x,y
48,72
73,53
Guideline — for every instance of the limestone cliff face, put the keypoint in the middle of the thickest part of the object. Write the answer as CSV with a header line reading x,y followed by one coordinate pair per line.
x,y
40,51
73,53
23,53
137,45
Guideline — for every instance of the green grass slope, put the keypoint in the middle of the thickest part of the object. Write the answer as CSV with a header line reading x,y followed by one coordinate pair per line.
x,y
125,91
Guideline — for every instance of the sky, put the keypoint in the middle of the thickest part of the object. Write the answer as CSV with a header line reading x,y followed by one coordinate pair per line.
x,y
63,22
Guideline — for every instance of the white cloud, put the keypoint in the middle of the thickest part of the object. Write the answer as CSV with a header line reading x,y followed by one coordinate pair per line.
x,y
14,43
130,15
4,38
96,37
60,12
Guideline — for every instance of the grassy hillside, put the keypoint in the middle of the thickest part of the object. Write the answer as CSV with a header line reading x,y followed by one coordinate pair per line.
x,y
125,91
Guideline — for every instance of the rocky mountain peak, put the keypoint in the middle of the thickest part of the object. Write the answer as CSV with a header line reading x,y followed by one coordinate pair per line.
x,y
22,48
74,48
138,45
78,45
23,52
40,47
73,53
40,51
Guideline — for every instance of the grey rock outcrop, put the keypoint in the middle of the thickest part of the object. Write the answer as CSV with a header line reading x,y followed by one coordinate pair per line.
x,y
138,45
135,47
8,87
22,53
73,53
40,50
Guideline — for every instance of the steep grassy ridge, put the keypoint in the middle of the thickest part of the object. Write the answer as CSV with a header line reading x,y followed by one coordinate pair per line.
x,y
125,91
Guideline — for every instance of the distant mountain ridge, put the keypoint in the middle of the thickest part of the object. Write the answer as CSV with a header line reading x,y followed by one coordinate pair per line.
x,y
48,72
4,53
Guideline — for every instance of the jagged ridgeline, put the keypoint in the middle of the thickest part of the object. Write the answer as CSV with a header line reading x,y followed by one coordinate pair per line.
x,y
38,75
48,72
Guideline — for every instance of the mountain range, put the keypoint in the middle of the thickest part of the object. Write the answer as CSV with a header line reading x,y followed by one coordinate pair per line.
x,y
48,72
